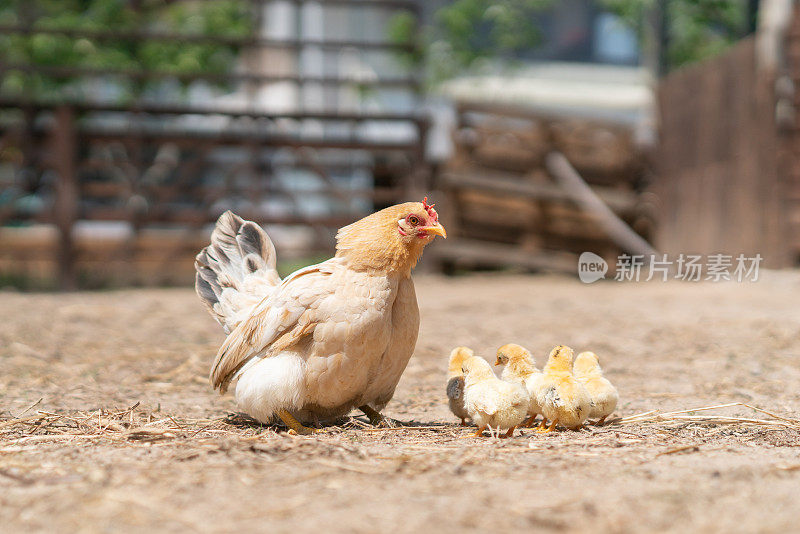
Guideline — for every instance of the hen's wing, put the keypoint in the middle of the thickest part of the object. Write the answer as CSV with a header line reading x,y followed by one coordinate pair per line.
x,y
279,321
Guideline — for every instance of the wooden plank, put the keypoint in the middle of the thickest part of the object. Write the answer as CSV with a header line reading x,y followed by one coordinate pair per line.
x,y
150,108
619,200
583,195
491,254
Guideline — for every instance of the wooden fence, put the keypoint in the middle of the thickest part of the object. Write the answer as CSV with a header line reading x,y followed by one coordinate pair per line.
x,y
725,177
166,170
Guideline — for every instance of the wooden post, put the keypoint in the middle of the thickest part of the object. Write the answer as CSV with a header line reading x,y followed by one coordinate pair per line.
x,y
418,181
580,192
66,201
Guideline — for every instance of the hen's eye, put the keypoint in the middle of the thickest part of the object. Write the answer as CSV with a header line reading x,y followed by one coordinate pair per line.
x,y
413,219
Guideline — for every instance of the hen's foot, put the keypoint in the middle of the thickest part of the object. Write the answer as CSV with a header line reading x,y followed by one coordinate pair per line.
x,y
294,425
376,419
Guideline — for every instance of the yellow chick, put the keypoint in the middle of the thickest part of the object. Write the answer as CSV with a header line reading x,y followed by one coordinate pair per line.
x,y
490,401
564,400
604,395
455,382
520,367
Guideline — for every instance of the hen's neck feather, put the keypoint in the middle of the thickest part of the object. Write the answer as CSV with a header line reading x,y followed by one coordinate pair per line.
x,y
374,244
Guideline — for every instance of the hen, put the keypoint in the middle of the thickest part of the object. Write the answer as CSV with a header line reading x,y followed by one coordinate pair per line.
x,y
328,337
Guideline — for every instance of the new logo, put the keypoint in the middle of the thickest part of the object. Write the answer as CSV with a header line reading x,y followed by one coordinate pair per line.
x,y
591,267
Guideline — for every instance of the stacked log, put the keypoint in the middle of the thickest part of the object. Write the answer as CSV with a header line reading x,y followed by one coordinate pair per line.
x,y
506,207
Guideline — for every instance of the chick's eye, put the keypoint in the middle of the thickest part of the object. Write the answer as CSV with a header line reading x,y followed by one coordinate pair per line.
x,y
413,219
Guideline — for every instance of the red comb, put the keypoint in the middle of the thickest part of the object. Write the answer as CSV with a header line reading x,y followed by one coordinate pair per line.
x,y
429,208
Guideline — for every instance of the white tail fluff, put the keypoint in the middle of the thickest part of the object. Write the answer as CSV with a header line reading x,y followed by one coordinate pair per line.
x,y
236,271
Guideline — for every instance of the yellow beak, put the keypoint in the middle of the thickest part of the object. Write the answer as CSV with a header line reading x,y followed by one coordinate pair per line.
x,y
436,229
498,362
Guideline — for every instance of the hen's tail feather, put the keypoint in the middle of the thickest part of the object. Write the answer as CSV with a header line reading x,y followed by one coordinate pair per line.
x,y
236,271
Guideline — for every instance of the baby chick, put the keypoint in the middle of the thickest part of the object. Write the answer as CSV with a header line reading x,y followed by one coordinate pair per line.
x,y
604,395
562,397
490,401
455,382
520,367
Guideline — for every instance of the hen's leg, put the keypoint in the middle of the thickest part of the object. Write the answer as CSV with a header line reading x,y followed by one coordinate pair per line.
x,y
294,424
375,417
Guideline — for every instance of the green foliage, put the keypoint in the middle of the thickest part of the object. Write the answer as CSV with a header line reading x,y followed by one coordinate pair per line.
x,y
697,29
467,32
229,18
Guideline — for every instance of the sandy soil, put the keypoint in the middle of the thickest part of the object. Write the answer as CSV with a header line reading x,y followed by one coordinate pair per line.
x,y
82,461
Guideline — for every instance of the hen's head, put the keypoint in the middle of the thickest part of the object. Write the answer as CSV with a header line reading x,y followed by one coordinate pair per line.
x,y
391,239
420,222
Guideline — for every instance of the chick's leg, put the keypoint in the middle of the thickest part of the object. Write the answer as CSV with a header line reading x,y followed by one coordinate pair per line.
x,y
601,421
294,424
549,429
478,433
529,421
543,424
510,432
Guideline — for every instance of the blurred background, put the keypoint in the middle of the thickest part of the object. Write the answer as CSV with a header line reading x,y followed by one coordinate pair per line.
x,y
128,126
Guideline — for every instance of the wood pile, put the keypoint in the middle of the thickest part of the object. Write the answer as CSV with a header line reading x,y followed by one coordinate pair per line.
x,y
506,207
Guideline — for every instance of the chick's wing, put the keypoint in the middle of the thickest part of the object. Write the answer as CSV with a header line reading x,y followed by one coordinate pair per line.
x,y
455,388
552,397
485,399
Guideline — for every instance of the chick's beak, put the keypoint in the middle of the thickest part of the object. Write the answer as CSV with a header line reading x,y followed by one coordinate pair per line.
x,y
497,362
436,229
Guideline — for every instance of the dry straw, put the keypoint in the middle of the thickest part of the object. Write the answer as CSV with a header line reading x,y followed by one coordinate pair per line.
x,y
133,425
654,416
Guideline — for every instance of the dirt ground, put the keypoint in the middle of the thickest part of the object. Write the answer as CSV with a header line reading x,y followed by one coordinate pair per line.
x,y
81,460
